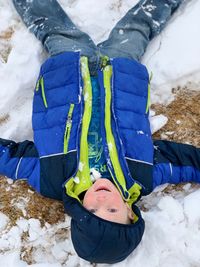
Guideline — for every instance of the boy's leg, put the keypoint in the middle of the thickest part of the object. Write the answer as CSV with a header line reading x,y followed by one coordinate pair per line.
x,y
51,25
131,35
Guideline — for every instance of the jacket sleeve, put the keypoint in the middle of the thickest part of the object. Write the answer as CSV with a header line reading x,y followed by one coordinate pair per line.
x,y
20,161
175,163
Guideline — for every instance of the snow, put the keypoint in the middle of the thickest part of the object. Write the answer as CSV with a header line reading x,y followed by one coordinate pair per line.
x,y
94,174
172,222
192,208
76,180
157,122
172,56
3,221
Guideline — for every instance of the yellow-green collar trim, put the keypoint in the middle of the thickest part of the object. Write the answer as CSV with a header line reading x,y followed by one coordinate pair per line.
x,y
107,74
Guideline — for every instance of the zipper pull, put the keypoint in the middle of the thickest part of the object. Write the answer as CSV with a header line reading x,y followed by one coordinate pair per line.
x,y
68,128
38,84
104,62
69,117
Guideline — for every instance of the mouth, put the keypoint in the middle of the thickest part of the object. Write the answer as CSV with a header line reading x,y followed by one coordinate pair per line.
x,y
102,188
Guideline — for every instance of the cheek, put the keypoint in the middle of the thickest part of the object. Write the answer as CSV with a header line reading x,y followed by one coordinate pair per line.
x,y
117,199
88,199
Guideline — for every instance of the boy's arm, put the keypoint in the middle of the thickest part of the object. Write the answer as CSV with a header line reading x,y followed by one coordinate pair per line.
x,y
175,163
18,160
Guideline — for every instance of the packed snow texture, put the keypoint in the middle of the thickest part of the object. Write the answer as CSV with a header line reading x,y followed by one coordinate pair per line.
x,y
172,236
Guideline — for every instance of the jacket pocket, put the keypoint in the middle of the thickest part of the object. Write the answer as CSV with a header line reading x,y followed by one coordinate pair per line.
x,y
68,128
40,85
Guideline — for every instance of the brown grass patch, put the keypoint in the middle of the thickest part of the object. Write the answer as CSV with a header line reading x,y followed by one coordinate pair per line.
x,y
184,118
19,200
6,35
5,46
4,118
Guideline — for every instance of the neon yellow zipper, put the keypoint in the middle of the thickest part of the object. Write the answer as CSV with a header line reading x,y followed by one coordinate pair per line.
x,y
68,128
83,174
107,74
149,92
148,99
39,84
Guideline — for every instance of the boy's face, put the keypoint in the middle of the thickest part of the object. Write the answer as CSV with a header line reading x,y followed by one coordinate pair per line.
x,y
104,200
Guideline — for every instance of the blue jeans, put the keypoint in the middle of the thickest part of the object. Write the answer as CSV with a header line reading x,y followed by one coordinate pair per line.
x,y
129,38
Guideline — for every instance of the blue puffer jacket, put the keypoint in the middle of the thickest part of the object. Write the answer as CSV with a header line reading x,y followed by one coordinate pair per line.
x,y
58,109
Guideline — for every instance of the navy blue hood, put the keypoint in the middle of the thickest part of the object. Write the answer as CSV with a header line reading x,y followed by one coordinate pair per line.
x,y
100,241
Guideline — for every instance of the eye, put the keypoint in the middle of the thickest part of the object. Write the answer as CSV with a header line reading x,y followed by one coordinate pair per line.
x,y
92,210
112,210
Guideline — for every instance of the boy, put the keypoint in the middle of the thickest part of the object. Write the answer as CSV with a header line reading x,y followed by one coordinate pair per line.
x,y
99,91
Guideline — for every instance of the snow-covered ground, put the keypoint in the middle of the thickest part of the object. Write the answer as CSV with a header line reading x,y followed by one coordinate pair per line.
x,y
172,236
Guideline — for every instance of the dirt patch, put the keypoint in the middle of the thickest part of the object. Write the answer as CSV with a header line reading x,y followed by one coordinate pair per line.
x,y
20,200
4,119
6,35
5,46
184,118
